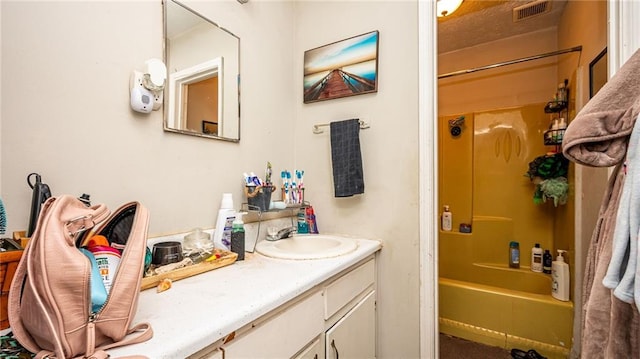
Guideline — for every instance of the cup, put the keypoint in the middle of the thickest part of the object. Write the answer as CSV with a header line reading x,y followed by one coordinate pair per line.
x,y
259,197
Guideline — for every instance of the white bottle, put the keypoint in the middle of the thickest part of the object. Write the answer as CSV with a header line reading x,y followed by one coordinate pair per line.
x,y
536,258
562,123
560,278
224,223
446,219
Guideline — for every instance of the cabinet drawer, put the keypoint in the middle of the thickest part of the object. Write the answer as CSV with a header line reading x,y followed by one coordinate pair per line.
x,y
313,351
283,335
346,288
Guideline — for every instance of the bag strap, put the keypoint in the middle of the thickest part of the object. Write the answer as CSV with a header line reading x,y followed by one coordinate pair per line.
x,y
100,352
146,333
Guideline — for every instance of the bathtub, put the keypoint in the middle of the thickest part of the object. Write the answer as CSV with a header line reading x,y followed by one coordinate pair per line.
x,y
490,303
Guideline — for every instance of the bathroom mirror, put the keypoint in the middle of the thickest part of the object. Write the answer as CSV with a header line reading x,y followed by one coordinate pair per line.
x,y
202,96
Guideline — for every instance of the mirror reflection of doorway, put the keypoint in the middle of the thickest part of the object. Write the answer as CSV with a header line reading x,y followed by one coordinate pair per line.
x,y
201,104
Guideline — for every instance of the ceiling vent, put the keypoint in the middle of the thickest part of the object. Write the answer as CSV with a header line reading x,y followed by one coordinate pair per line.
x,y
531,9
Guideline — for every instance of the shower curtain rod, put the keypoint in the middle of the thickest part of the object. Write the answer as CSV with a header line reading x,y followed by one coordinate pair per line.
x,y
487,67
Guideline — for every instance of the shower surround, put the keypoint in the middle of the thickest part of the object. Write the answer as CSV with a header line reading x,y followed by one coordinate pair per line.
x,y
482,179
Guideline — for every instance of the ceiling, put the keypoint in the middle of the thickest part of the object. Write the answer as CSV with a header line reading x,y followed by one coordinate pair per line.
x,y
479,21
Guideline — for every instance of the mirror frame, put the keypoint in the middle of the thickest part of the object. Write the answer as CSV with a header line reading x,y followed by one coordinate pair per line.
x,y
193,74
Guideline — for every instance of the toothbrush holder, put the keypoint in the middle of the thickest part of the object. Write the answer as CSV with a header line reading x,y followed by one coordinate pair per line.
x,y
259,197
292,196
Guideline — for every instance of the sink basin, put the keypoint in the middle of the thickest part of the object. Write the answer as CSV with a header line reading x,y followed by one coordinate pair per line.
x,y
310,246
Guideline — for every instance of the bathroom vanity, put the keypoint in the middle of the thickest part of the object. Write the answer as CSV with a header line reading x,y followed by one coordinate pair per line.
x,y
265,307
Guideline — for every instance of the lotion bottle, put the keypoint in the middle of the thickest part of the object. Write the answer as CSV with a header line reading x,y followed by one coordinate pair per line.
x,y
560,278
536,258
446,219
224,223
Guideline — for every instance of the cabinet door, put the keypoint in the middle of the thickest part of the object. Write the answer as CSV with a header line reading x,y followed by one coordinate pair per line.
x,y
354,335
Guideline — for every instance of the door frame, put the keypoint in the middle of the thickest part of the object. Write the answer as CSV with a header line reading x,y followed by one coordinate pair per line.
x,y
623,41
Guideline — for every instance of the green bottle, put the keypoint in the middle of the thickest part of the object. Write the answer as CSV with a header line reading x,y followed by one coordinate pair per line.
x,y
237,236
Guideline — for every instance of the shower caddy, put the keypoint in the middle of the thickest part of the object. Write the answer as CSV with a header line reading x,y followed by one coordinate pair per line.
x,y
558,117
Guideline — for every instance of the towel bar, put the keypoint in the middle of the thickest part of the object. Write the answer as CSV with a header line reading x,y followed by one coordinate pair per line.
x,y
317,129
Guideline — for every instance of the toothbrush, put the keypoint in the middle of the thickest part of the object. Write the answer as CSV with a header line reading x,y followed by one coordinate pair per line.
x,y
267,178
294,189
300,175
289,196
287,176
283,174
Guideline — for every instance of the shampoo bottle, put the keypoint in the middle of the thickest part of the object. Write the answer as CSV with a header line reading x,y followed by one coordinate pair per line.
x,y
224,223
536,258
547,259
447,219
560,278
514,254
237,236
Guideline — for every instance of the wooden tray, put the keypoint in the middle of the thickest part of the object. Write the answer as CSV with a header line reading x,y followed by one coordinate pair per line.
x,y
225,259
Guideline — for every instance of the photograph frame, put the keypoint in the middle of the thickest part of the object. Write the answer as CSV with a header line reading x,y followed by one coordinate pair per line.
x,y
598,72
344,68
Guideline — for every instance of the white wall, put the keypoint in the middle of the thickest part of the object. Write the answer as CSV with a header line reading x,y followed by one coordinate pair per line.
x,y
66,115
388,209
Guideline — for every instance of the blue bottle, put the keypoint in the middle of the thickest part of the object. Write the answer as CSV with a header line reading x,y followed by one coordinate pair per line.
x,y
514,254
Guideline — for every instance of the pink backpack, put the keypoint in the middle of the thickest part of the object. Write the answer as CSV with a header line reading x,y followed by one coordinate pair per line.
x,y
50,303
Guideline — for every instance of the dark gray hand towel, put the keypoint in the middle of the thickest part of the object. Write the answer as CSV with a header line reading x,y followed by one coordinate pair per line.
x,y
346,158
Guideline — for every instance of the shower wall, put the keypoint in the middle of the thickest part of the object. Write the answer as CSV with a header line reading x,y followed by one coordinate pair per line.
x,y
532,82
482,180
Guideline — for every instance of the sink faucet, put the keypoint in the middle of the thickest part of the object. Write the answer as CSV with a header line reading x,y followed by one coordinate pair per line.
x,y
286,232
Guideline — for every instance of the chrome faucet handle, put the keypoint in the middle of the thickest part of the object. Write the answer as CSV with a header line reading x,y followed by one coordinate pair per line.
x,y
286,232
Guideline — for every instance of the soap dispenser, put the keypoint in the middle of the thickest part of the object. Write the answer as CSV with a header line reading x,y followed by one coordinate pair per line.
x,y
237,236
560,278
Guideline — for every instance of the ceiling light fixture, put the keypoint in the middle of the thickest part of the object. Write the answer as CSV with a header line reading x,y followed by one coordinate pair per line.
x,y
447,7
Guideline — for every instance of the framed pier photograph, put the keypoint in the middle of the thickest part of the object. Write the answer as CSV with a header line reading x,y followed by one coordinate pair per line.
x,y
345,68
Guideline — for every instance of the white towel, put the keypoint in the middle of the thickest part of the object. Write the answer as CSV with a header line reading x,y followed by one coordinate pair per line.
x,y
621,273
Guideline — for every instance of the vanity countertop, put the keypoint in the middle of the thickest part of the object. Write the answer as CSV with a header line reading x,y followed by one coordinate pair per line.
x,y
203,309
